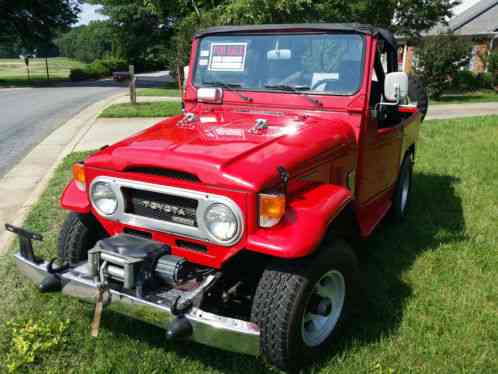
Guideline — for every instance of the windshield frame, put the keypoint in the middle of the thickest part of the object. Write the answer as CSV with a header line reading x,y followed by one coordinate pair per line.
x,y
297,33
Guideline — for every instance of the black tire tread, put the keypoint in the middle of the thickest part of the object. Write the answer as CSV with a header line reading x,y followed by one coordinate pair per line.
x,y
396,215
417,91
281,285
78,234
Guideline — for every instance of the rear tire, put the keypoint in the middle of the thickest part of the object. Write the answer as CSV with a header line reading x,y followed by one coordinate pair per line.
x,y
418,93
78,235
301,306
402,193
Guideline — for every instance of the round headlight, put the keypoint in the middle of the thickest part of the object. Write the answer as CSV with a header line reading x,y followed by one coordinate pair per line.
x,y
221,222
104,198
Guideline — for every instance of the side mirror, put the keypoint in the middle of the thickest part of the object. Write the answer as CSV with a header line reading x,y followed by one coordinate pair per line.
x,y
396,87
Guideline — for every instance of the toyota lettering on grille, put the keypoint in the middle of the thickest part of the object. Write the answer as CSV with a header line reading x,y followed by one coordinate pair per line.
x,y
185,216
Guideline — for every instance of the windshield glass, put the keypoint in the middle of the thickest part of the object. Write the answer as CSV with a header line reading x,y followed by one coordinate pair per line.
x,y
312,63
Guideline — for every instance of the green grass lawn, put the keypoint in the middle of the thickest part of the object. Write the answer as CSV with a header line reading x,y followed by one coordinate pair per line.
x,y
13,71
483,96
171,92
431,284
154,109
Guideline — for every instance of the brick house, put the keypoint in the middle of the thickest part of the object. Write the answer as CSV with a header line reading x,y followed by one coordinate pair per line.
x,y
478,24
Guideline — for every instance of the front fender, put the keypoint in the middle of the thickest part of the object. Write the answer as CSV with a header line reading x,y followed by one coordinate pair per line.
x,y
74,199
304,225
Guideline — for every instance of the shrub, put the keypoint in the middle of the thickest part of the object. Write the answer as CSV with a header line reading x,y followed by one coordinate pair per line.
x,y
31,341
114,64
465,80
493,66
98,69
439,61
486,81
79,75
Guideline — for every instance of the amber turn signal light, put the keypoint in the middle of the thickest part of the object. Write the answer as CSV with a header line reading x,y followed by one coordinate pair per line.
x,y
271,209
79,175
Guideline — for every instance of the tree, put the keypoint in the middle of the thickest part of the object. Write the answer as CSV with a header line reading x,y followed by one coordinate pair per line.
x,y
139,33
87,43
143,25
35,23
439,60
406,17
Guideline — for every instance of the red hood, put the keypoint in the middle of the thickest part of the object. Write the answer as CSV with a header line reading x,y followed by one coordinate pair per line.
x,y
223,149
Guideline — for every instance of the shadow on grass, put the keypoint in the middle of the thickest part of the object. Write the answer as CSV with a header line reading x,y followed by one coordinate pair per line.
x,y
435,218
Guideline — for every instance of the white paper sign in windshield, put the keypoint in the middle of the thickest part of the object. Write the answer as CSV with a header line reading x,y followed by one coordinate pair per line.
x,y
227,57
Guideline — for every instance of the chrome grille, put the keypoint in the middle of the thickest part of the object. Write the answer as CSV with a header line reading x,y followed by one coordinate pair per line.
x,y
145,205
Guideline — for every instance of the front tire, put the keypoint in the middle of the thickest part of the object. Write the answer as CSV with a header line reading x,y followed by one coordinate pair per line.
x,y
78,235
300,307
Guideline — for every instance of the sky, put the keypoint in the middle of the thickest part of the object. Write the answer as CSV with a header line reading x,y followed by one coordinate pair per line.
x,y
88,11
88,14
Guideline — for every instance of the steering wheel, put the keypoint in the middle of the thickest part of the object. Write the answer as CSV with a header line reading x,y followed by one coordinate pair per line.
x,y
322,81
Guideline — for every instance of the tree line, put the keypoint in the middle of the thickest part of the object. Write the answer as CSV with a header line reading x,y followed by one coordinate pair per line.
x,y
153,33
156,34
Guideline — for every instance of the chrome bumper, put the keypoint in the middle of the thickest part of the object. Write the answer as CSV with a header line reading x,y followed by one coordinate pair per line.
x,y
210,329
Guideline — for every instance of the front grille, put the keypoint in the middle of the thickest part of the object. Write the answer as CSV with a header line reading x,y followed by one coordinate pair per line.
x,y
169,173
160,206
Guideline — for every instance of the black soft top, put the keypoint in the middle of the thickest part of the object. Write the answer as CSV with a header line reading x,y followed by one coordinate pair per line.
x,y
384,34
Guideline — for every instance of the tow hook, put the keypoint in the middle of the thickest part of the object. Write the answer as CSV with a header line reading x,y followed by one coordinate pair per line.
x,y
52,282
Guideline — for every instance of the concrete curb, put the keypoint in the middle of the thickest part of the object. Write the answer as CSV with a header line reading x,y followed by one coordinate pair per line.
x,y
80,124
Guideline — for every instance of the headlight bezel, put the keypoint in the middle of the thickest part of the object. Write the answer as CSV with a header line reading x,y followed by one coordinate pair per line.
x,y
95,202
209,231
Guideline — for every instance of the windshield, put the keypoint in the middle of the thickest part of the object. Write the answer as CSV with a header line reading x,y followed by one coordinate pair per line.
x,y
312,63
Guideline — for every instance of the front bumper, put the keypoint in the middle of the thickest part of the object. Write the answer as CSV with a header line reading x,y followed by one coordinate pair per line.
x,y
207,328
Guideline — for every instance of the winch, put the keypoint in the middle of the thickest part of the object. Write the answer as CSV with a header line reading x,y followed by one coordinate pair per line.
x,y
136,262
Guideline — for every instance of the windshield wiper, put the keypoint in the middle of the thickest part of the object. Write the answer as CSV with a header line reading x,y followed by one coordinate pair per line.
x,y
295,89
232,87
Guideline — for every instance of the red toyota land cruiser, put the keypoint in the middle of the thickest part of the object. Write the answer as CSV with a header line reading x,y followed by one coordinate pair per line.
x,y
229,224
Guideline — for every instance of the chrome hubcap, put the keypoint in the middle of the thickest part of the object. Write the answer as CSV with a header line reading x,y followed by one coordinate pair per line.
x,y
324,308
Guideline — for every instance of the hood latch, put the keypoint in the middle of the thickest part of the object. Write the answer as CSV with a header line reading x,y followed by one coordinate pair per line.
x,y
261,125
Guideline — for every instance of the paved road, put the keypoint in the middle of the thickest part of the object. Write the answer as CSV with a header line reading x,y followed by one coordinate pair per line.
x,y
445,111
28,115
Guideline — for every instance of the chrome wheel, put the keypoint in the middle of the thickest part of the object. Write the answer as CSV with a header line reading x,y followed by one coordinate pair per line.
x,y
405,190
324,308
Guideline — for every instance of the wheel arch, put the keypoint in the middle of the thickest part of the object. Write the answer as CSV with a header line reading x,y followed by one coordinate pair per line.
x,y
313,212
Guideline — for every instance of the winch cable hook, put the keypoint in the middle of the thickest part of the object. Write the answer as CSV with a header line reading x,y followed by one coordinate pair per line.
x,y
99,304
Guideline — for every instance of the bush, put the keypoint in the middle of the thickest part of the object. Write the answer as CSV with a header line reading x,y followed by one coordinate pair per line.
x,y
79,75
439,61
486,81
465,80
493,66
98,69
113,64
